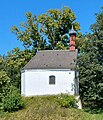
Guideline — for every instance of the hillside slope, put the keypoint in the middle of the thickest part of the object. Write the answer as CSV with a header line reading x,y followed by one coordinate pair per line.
x,y
47,108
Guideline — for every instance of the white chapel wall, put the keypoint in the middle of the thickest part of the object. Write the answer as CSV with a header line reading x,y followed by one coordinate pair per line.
x,y
36,82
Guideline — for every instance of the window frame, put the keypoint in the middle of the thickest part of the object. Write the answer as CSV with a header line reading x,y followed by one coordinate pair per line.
x,y
52,80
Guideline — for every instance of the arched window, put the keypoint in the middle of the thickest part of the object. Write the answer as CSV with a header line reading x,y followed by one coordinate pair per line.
x,y
52,80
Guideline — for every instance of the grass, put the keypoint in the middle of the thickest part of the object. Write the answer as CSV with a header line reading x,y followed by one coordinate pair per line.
x,y
47,108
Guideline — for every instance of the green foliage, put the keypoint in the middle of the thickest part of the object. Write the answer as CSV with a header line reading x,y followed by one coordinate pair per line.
x,y
4,84
14,62
12,101
90,63
92,109
67,101
10,98
47,108
47,30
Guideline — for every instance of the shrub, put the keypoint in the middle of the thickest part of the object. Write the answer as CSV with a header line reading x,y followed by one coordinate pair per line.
x,y
4,84
12,101
67,101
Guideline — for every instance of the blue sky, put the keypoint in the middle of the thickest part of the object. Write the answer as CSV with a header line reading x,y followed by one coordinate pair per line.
x,y
12,12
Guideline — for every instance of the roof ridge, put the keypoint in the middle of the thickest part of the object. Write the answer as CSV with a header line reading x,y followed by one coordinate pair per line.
x,y
55,50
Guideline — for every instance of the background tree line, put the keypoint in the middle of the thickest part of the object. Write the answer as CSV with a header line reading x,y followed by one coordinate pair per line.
x,y
90,63
49,31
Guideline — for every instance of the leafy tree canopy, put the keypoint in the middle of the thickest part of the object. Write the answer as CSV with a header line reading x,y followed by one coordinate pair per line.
x,y
91,63
47,31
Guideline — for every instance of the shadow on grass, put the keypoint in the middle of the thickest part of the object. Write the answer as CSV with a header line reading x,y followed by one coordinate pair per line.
x,y
93,110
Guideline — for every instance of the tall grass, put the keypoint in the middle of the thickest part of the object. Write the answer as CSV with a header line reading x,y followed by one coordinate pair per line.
x,y
47,108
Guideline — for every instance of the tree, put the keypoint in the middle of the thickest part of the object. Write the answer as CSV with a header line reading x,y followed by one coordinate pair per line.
x,y
14,62
90,63
10,65
4,84
47,31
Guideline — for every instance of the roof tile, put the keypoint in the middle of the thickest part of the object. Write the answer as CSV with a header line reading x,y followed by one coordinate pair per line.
x,y
53,59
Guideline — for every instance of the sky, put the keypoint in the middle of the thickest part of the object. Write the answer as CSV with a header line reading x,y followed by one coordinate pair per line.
x,y
12,12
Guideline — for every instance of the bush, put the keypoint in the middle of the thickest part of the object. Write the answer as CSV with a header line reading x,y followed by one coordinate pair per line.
x,y
4,84
67,101
12,101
